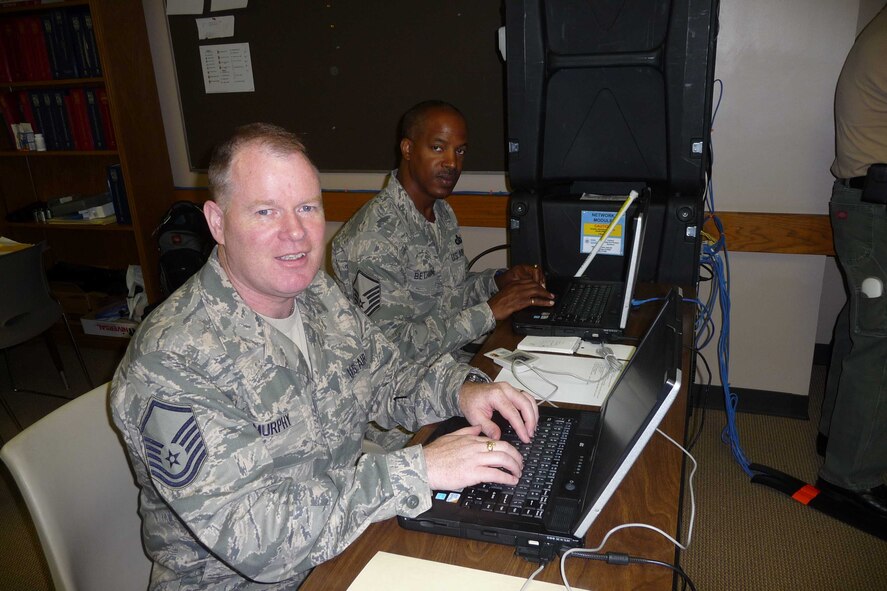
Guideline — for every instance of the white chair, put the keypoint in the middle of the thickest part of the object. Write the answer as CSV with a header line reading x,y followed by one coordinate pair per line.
x,y
74,475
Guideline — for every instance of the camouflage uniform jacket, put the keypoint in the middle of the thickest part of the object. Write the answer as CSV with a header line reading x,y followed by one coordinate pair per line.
x,y
410,276
249,463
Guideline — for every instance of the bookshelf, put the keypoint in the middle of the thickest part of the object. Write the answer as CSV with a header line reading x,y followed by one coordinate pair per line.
x,y
126,78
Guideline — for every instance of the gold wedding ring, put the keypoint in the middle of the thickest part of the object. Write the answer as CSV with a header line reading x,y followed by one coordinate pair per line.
x,y
491,445
532,301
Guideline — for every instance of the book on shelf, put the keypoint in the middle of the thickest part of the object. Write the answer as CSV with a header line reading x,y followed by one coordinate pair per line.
x,y
117,188
95,119
101,96
75,101
64,44
73,204
60,113
111,219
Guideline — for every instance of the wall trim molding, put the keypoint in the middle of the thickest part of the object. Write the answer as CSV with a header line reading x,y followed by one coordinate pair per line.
x,y
778,233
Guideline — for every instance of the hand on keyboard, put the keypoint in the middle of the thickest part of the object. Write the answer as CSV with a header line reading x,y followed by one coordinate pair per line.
x,y
466,457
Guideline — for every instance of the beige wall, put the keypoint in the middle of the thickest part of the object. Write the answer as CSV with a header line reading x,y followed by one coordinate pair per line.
x,y
773,144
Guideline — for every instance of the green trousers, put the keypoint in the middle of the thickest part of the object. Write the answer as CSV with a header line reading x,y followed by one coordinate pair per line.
x,y
854,411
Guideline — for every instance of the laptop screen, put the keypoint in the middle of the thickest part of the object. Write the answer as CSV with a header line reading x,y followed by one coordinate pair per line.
x,y
636,406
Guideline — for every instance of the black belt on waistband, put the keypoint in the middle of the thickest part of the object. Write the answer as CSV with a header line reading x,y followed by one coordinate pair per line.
x,y
857,182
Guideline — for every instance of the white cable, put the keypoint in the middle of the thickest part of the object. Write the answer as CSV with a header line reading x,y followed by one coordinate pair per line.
x,y
526,584
613,223
643,525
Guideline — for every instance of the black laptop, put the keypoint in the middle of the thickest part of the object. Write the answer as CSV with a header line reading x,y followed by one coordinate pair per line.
x,y
576,460
585,307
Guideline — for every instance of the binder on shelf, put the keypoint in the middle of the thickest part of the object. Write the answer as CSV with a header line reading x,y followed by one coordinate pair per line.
x,y
118,194
63,44
95,119
36,41
84,41
79,119
91,48
101,96
41,117
49,37
60,114
10,65
25,110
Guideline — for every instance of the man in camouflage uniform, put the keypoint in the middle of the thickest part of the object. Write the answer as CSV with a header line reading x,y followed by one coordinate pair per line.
x,y
243,398
401,255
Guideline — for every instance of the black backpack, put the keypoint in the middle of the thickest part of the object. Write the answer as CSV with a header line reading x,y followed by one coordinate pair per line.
x,y
185,243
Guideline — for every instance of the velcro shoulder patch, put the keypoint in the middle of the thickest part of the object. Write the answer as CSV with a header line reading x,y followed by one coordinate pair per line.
x,y
367,292
174,447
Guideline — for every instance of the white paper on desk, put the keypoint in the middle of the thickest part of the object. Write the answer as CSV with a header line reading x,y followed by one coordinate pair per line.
x,y
593,392
215,27
622,352
392,572
227,68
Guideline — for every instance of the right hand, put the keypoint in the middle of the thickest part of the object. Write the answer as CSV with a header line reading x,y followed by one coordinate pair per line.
x,y
518,295
462,458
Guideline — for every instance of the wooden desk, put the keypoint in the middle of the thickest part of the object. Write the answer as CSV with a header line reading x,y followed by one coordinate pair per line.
x,y
650,493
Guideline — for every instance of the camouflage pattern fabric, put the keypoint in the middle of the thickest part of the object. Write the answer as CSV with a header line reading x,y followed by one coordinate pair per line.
x,y
249,464
410,276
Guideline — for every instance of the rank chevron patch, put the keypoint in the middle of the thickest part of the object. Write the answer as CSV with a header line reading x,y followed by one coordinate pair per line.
x,y
174,446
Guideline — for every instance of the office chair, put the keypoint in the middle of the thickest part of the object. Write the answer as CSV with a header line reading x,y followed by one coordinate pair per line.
x,y
75,478
28,310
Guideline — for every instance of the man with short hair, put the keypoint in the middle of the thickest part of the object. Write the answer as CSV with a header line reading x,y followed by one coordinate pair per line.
x,y
243,398
401,256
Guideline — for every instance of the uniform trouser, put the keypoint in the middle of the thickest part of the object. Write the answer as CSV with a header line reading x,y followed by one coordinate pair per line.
x,y
854,411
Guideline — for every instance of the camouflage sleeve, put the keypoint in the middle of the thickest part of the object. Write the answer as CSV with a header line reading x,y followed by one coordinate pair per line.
x,y
413,320
269,524
478,287
406,392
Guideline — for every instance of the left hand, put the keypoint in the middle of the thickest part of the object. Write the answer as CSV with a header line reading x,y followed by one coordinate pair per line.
x,y
518,272
479,401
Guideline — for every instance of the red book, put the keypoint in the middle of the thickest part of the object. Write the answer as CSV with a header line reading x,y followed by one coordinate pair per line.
x,y
11,49
9,108
75,101
37,41
24,107
8,115
5,68
27,60
107,125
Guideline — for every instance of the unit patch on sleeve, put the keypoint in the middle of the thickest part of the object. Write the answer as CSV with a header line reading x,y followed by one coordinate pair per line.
x,y
174,446
367,292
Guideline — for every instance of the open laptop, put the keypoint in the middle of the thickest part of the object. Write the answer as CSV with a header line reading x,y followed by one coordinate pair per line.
x,y
580,468
585,307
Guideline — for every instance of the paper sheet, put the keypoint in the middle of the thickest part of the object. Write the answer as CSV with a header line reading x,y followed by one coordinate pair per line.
x,y
593,382
227,68
392,572
215,27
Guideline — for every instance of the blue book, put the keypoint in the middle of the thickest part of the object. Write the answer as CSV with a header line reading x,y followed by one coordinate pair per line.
x,y
95,69
95,119
64,47
60,111
118,194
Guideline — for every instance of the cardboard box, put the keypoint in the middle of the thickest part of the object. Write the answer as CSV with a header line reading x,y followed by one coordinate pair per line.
x,y
110,321
75,301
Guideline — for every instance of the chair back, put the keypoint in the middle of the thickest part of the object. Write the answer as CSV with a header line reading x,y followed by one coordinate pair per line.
x,y
27,308
74,475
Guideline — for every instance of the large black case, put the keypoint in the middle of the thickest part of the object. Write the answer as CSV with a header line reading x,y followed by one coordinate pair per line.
x,y
604,96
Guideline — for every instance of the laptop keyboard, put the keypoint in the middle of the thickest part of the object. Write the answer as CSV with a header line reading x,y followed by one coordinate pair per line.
x,y
542,456
583,303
